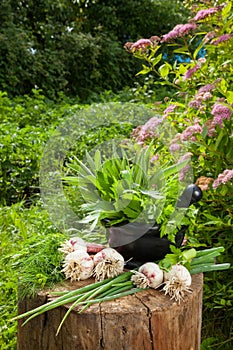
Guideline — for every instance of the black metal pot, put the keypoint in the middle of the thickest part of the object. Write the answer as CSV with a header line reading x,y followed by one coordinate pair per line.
x,y
143,241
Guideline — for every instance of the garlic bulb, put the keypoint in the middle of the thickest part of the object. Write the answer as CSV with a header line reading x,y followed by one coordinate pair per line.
x,y
78,265
108,263
93,248
148,275
177,282
73,244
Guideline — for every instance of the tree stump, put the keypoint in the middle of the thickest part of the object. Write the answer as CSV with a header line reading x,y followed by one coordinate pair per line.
x,y
147,320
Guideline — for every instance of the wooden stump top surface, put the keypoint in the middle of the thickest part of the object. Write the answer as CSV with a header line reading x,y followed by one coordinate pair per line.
x,y
147,320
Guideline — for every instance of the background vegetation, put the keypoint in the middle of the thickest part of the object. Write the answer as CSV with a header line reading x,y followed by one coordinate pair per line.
x,y
75,46
56,58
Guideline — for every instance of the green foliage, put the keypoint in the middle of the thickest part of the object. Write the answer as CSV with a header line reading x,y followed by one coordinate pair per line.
x,y
134,18
125,186
74,46
84,61
27,123
201,110
25,126
26,233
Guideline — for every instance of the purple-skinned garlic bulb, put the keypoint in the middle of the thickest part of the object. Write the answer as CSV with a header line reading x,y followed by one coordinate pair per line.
x,y
78,265
148,275
177,282
72,245
108,263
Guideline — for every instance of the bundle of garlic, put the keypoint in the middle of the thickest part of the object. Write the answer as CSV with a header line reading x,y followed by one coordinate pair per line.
x,y
77,243
79,264
176,282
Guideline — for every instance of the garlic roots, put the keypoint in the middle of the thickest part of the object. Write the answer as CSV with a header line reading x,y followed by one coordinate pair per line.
x,y
177,282
78,265
148,275
72,245
108,263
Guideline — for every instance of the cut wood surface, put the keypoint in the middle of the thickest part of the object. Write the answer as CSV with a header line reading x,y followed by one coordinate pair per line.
x,y
147,320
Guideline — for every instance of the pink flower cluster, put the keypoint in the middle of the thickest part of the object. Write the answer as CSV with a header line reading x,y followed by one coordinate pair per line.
x,y
190,131
211,127
209,87
209,36
178,31
223,178
187,134
185,169
141,44
221,39
169,109
190,72
198,99
220,113
175,144
203,94
202,14
147,131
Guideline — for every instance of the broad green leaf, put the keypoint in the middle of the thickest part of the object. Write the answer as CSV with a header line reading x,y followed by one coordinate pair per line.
x,y
183,49
83,167
145,70
174,169
230,97
189,254
91,162
226,10
156,60
220,138
73,180
182,69
197,50
223,85
153,194
164,70
204,132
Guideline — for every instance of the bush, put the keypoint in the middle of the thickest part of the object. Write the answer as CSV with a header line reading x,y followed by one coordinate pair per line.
x,y
201,110
75,47
29,122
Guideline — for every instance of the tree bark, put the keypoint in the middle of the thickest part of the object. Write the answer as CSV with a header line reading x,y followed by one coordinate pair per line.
x,y
147,320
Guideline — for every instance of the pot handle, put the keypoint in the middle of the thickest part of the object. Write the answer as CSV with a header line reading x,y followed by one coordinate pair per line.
x,y
192,194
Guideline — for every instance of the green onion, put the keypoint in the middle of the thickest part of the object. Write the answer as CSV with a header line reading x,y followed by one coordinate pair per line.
x,y
205,258
204,261
203,252
83,293
208,267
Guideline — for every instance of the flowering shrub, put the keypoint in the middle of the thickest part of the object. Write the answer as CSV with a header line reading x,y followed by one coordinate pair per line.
x,y
201,110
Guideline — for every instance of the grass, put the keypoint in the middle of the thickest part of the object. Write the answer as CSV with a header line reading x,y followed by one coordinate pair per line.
x,y
23,231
